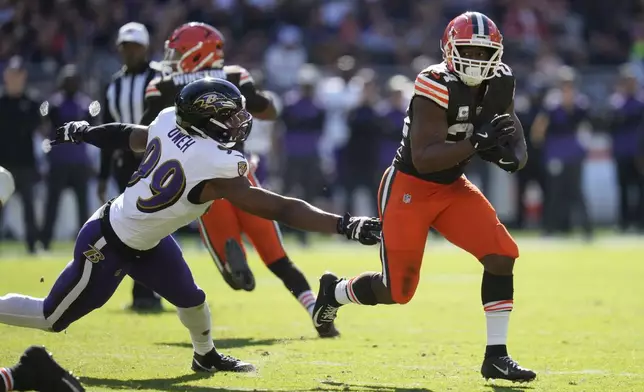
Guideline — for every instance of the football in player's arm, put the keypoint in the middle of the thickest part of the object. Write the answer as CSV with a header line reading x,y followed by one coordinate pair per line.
x,y
510,153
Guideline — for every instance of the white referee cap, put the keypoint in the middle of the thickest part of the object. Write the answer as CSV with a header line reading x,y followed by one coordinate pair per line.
x,y
133,32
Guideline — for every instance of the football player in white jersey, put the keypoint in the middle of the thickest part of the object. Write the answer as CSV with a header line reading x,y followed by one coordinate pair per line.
x,y
185,167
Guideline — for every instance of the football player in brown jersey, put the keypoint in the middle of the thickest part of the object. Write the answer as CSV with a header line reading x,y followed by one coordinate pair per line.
x,y
460,107
194,51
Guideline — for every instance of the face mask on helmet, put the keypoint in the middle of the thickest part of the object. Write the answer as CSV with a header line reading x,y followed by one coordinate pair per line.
x,y
473,70
170,59
235,129
228,128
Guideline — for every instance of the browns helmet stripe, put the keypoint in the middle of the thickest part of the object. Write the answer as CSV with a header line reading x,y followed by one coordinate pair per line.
x,y
486,24
480,23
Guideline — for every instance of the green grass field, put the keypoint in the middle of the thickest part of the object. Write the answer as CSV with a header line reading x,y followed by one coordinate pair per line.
x,y
578,321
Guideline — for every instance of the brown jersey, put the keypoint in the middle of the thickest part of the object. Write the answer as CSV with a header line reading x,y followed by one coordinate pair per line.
x,y
464,111
161,91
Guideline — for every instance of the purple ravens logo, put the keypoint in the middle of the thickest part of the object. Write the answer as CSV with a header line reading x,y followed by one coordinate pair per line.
x,y
215,102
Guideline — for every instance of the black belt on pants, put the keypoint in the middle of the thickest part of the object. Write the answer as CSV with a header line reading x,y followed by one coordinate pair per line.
x,y
112,239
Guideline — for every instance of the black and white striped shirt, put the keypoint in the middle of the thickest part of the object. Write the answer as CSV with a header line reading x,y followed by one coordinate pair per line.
x,y
124,102
124,98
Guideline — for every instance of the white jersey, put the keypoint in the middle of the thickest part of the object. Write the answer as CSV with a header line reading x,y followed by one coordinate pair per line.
x,y
155,204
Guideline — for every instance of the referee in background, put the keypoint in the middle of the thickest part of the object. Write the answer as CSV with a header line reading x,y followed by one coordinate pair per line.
x,y
123,102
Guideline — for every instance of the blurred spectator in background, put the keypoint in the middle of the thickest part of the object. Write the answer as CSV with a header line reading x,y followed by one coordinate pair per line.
x,y
262,142
303,120
124,102
360,156
20,118
69,165
393,112
337,93
284,59
526,106
558,127
627,125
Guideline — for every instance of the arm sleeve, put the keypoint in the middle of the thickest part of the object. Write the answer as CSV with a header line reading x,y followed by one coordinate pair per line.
x,y
110,136
256,102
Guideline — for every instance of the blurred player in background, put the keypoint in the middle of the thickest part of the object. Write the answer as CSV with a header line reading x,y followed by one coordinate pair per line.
x,y
461,107
69,165
20,113
193,51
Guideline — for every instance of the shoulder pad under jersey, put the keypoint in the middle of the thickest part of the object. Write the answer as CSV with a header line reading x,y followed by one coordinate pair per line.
x,y
152,90
228,163
432,83
244,75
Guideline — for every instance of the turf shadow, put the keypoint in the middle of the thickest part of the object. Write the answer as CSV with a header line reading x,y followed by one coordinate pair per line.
x,y
177,384
508,388
144,313
371,388
155,384
237,342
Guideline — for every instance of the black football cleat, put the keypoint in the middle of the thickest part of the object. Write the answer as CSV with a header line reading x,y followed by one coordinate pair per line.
x,y
214,362
326,331
236,271
505,368
146,305
47,375
326,307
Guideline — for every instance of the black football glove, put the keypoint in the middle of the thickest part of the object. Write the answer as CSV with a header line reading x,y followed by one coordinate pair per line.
x,y
503,156
71,132
488,135
363,229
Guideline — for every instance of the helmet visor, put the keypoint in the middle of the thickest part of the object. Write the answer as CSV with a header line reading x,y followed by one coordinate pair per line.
x,y
238,125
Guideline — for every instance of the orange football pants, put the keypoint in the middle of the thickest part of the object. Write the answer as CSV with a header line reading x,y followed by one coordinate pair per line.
x,y
223,221
409,207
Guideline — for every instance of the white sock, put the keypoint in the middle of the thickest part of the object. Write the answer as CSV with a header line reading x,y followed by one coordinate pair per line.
x,y
341,294
197,320
23,311
497,317
344,292
307,299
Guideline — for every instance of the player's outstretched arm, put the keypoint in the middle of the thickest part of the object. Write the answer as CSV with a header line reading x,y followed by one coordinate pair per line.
x,y
293,212
110,136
